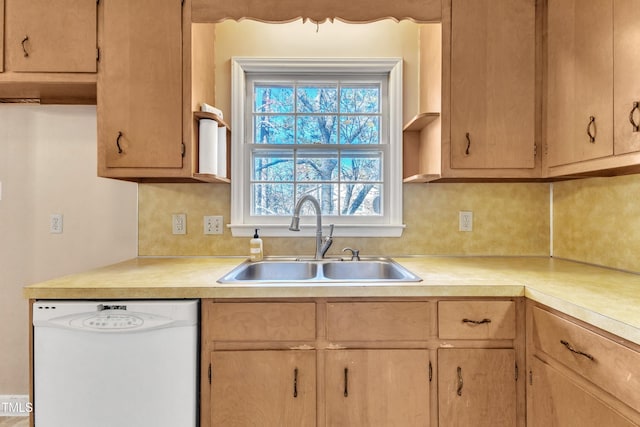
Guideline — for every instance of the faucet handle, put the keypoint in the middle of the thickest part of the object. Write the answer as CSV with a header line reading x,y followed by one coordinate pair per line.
x,y
355,253
331,230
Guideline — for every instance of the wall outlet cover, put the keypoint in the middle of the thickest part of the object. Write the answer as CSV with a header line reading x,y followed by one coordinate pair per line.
x,y
55,224
465,221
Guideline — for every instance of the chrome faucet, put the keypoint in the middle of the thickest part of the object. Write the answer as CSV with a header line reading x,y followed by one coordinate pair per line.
x,y
322,243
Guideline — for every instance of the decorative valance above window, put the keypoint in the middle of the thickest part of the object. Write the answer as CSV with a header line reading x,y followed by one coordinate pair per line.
x,y
354,11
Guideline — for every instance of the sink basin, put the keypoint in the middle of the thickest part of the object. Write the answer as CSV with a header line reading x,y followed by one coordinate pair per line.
x,y
367,270
321,271
275,271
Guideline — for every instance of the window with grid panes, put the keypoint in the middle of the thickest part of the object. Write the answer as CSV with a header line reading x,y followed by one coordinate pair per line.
x,y
324,132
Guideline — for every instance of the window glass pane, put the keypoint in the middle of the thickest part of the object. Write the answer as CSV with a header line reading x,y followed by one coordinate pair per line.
x,y
317,99
269,98
318,135
272,165
360,99
316,166
361,166
317,129
361,199
273,129
272,199
359,130
326,194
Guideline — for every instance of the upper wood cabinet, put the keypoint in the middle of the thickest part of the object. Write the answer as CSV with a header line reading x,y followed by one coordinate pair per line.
x,y
626,95
492,84
140,89
1,35
592,91
579,84
51,35
488,123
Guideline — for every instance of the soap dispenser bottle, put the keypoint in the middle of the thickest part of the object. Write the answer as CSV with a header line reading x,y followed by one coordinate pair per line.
x,y
255,248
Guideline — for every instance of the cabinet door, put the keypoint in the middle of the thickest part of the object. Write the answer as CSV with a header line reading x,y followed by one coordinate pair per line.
x,y
555,401
579,78
263,388
492,84
51,35
1,35
626,96
377,388
476,387
140,85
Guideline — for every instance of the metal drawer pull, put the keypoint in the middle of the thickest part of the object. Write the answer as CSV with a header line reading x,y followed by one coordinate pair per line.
x,y
118,142
466,152
592,123
636,126
346,382
476,322
460,382
573,350
295,382
24,49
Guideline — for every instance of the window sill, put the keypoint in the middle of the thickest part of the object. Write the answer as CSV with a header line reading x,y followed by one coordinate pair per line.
x,y
306,230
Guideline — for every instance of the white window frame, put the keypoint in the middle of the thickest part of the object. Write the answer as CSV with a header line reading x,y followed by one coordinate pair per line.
x,y
242,225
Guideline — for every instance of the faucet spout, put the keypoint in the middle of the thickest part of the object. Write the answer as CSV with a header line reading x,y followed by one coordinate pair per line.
x,y
321,247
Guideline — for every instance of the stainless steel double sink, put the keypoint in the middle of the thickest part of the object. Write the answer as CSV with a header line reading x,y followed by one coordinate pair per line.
x,y
321,271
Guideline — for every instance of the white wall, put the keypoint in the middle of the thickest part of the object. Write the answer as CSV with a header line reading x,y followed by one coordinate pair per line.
x,y
48,165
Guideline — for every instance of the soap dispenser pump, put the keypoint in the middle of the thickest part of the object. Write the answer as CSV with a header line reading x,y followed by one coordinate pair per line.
x,y
255,248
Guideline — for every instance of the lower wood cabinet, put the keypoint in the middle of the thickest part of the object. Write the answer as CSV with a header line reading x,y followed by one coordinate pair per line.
x,y
477,387
267,388
579,375
377,388
361,363
556,401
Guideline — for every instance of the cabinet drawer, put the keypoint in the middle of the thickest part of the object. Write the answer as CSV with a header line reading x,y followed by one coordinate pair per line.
x,y
613,367
378,321
262,321
477,320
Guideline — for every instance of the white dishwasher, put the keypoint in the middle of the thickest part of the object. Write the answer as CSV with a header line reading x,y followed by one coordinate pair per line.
x,y
115,363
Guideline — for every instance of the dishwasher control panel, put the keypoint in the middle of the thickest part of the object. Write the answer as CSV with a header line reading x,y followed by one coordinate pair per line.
x,y
112,321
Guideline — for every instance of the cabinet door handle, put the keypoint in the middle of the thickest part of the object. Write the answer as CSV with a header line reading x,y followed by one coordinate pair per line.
x,y
476,322
460,381
24,48
636,126
346,382
466,152
118,142
295,382
592,124
578,352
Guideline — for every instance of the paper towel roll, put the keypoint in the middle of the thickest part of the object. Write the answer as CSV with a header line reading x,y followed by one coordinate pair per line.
x,y
208,146
222,151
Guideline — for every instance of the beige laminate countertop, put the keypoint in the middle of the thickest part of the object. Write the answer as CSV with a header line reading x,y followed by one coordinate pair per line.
x,y
605,298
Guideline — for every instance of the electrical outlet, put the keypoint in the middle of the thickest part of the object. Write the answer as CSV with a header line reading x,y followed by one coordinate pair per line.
x,y
465,221
179,223
55,224
212,224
